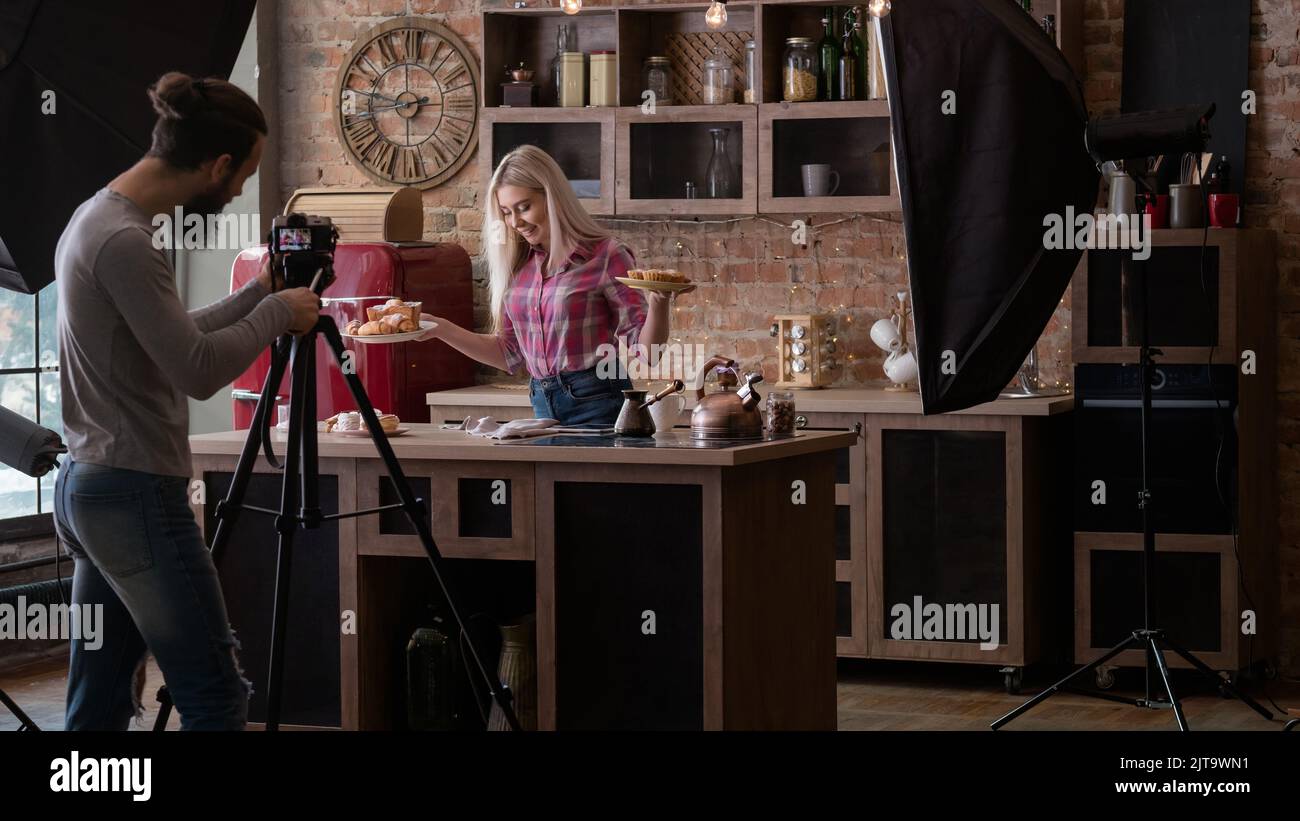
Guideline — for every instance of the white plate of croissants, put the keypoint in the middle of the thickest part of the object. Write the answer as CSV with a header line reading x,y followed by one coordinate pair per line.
x,y
350,423
394,321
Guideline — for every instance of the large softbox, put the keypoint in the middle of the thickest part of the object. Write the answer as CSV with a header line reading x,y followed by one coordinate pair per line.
x,y
91,63
977,182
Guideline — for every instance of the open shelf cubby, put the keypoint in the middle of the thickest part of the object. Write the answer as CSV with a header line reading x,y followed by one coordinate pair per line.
x,y
677,31
666,149
853,138
582,143
528,35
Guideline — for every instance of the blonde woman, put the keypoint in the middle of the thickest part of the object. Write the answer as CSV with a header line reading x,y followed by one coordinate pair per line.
x,y
554,297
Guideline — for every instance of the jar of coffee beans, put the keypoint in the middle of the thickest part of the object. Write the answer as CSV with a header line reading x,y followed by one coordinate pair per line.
x,y
780,413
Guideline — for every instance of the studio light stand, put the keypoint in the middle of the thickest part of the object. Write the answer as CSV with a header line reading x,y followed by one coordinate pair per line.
x,y
1141,136
300,497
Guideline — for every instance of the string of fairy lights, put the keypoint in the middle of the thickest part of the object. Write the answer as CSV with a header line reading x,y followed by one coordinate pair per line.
x,y
814,242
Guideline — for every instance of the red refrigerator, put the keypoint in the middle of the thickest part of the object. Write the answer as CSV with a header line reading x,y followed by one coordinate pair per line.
x,y
396,376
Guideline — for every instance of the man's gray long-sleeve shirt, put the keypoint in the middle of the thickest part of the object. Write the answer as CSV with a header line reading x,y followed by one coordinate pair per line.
x,y
129,351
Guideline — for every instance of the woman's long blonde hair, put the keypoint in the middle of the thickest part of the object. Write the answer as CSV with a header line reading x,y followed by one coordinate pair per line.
x,y
569,224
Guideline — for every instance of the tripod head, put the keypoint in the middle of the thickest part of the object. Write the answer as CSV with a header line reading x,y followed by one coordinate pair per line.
x,y
302,251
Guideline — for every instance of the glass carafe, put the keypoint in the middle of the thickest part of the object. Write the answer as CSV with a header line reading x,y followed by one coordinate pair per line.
x,y
720,178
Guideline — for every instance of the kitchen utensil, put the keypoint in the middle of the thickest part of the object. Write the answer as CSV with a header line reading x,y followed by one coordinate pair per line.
x,y
1185,206
1225,210
634,418
886,335
819,180
522,75
724,414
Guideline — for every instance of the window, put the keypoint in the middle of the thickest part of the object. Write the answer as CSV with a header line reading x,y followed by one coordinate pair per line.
x,y
29,385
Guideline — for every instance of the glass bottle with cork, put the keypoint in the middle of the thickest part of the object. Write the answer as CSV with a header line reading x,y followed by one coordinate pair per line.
x,y
847,75
829,54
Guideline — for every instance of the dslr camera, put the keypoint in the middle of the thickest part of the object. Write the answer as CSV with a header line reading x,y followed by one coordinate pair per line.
x,y
302,250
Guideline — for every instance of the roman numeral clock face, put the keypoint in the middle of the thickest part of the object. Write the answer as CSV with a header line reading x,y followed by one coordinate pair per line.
x,y
407,103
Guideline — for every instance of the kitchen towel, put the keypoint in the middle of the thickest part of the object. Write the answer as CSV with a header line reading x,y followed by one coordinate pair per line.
x,y
518,429
27,446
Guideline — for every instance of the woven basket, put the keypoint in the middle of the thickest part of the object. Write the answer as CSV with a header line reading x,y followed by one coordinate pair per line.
x,y
687,53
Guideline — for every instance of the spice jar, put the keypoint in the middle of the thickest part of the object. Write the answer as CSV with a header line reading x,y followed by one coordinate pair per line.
x,y
658,78
780,413
718,73
604,79
799,70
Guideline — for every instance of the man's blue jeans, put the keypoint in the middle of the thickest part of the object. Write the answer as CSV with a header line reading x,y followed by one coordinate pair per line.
x,y
138,552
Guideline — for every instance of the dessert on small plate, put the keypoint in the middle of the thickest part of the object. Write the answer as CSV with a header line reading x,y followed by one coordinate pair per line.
x,y
656,279
350,423
394,321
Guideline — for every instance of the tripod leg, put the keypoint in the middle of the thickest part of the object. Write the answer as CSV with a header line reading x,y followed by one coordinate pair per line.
x,y
26,723
415,511
228,510
286,524
1218,679
1154,650
1050,691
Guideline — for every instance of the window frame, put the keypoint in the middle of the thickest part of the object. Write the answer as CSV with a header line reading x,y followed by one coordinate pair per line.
x,y
33,525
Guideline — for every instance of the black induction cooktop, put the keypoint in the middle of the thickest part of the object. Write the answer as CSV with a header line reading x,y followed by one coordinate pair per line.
x,y
669,439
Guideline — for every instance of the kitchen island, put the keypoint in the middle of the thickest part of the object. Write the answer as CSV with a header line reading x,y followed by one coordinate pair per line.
x,y
674,585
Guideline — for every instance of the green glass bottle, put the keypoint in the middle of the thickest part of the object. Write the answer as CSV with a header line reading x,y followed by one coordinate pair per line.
x,y
829,55
860,52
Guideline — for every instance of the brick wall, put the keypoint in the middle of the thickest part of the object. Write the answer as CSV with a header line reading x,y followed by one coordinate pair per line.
x,y
749,268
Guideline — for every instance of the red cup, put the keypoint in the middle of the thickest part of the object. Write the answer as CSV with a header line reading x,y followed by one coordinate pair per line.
x,y
1225,210
1159,210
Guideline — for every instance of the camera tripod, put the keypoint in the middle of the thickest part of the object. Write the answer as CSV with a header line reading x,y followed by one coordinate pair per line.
x,y
1152,640
299,498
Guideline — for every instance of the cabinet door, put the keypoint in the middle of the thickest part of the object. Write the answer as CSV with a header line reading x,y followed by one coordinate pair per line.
x,y
629,606
937,540
248,568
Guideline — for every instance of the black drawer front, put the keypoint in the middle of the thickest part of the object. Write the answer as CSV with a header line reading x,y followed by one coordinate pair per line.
x,y
1187,597
247,571
844,609
484,506
608,572
396,522
843,533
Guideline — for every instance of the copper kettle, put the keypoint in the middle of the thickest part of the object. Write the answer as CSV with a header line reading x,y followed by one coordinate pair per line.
x,y
724,414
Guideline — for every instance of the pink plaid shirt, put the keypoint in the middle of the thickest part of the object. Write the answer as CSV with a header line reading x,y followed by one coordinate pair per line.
x,y
557,323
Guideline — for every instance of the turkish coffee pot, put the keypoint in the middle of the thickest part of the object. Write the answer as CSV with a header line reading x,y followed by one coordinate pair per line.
x,y
634,417
725,414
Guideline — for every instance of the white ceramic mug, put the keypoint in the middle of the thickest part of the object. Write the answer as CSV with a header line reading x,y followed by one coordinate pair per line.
x,y
900,367
886,336
819,180
667,411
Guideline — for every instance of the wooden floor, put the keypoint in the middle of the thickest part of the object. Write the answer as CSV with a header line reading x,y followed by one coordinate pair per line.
x,y
871,696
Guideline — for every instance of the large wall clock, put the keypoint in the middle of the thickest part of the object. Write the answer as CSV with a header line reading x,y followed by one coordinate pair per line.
x,y
406,103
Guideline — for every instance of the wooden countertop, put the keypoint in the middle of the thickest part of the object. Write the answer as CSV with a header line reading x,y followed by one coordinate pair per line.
x,y
426,441
827,400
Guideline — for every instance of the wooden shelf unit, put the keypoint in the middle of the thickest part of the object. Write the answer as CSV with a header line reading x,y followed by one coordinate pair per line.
x,y
636,30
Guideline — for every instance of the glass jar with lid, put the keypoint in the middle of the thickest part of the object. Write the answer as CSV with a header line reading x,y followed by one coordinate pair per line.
x,y
657,77
799,70
751,72
779,420
718,74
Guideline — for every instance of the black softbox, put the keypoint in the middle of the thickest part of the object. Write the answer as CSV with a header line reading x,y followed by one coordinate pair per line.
x,y
95,61
976,185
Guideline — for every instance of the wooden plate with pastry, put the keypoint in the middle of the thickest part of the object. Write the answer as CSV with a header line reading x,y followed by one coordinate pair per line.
x,y
656,279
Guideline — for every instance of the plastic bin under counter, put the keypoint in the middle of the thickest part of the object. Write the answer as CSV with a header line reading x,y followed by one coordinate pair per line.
x,y
674,587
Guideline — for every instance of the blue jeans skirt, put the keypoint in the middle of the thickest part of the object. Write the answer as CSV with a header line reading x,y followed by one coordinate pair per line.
x,y
578,398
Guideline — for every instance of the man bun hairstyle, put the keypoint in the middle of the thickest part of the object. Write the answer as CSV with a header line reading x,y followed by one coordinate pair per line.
x,y
199,119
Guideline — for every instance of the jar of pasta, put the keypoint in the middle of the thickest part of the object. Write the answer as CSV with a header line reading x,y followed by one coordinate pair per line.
x,y
718,82
799,70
